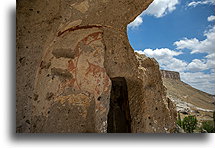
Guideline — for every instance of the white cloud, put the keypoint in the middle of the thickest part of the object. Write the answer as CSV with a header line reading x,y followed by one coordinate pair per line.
x,y
210,61
207,63
197,46
204,2
166,59
211,18
197,65
173,64
160,53
200,80
158,8
137,22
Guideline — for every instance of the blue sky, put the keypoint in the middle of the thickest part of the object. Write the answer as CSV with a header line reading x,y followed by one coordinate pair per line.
x,y
180,35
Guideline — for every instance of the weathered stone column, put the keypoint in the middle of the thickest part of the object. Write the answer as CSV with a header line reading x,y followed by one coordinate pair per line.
x,y
67,53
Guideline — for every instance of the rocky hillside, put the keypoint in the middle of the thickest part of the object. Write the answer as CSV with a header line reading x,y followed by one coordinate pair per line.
x,y
188,99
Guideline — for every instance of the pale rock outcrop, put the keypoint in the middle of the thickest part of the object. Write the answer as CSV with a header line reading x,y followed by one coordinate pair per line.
x,y
157,107
72,56
170,75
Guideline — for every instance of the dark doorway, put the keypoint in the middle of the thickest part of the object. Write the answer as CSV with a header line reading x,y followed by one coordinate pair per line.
x,y
119,119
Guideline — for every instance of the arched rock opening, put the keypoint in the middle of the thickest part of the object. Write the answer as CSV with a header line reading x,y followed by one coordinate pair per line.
x,y
119,119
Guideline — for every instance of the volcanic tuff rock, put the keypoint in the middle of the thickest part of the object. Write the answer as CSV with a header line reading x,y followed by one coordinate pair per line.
x,y
76,71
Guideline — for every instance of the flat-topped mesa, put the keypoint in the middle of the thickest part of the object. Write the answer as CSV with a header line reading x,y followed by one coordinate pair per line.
x,y
83,74
170,75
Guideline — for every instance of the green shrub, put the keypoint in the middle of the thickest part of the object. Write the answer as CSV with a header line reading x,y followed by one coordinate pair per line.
x,y
189,123
208,126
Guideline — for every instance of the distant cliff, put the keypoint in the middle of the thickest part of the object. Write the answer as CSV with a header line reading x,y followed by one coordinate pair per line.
x,y
170,74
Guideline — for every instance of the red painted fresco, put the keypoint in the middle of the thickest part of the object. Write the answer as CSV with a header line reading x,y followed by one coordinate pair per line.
x,y
94,69
71,65
78,28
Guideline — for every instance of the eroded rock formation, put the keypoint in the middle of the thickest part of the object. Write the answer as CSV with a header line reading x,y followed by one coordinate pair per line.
x,y
170,75
74,61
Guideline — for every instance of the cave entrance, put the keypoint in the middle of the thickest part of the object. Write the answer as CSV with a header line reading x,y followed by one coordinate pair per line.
x,y
119,119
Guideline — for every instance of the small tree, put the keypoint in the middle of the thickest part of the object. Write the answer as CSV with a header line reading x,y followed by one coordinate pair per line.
x,y
189,124
208,126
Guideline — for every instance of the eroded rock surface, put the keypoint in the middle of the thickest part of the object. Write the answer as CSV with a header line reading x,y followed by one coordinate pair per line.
x,y
170,75
68,54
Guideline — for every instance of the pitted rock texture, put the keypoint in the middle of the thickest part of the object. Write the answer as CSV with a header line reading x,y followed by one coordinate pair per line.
x,y
170,75
157,112
69,54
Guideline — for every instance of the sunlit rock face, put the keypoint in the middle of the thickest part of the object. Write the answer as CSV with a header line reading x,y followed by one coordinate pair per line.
x,y
170,75
76,71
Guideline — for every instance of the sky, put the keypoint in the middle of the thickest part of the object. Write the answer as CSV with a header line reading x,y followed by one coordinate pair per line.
x,y
180,35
